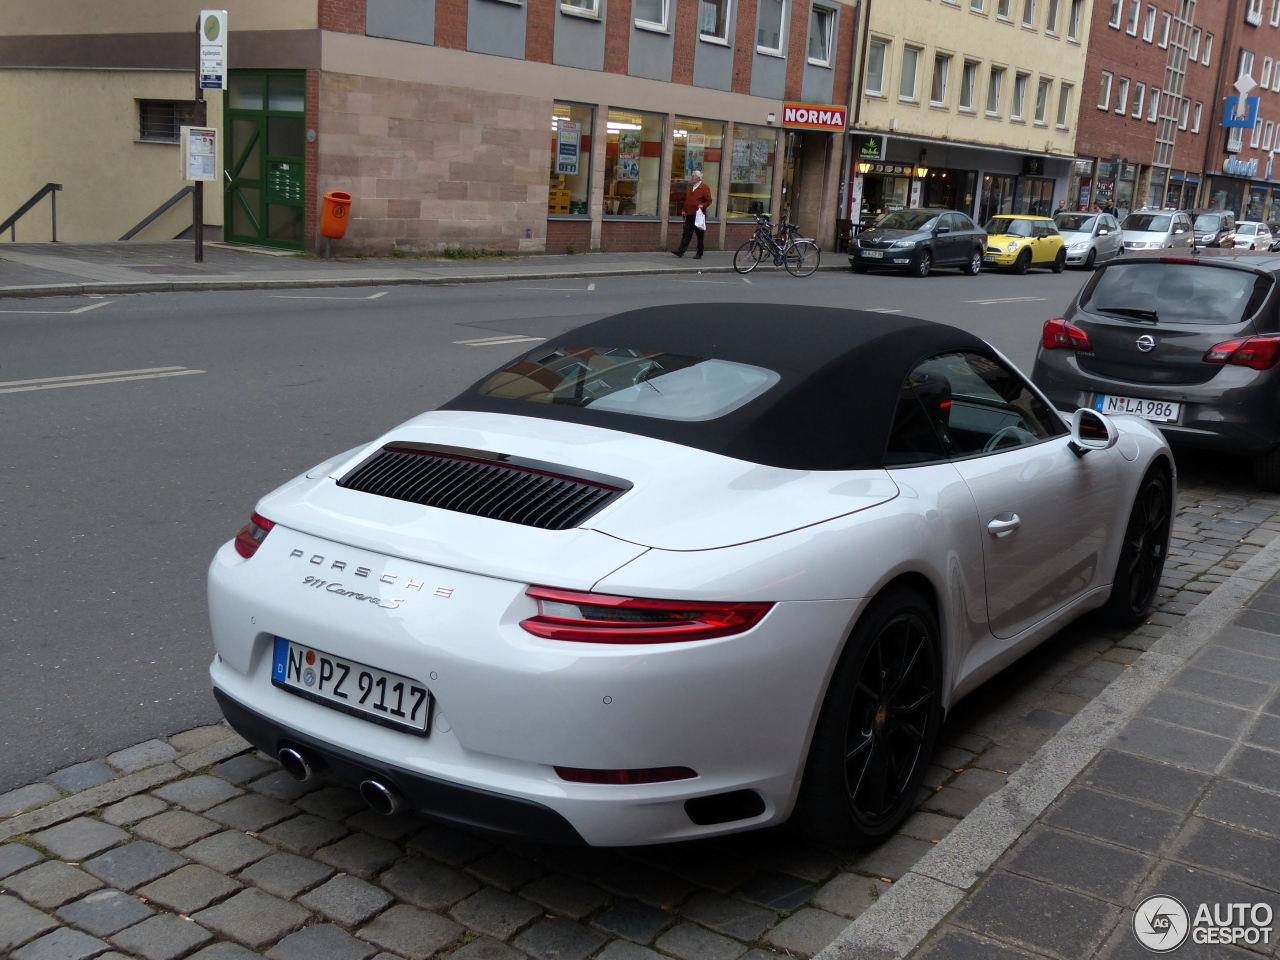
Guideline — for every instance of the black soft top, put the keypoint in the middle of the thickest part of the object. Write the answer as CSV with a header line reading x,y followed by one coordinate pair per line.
x,y
840,371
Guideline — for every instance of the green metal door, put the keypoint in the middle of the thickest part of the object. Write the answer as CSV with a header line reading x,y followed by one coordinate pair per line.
x,y
265,136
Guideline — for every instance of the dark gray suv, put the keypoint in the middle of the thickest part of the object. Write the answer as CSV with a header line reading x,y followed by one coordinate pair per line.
x,y
1190,343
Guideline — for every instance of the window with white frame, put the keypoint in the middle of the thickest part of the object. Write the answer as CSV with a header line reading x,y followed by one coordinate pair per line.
x,y
1028,13
910,66
995,88
771,26
1077,12
713,19
968,84
1139,99
1064,104
1265,79
1244,67
581,8
1019,96
1003,8
1051,18
1197,113
1117,11
1122,95
650,14
1149,23
1235,139
1153,105
1255,136
941,74
1104,90
1266,135
1043,88
1275,13
1208,49
1135,10
1184,113
1275,79
877,52
822,22
978,6
1166,21
1193,50
1253,13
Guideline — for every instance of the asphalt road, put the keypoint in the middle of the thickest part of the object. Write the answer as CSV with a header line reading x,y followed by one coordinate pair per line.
x,y
114,495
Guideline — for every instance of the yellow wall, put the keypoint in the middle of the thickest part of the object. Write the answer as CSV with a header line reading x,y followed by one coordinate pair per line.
x,y
79,128
40,17
952,27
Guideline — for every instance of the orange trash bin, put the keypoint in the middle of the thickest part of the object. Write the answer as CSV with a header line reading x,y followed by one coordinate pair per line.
x,y
333,218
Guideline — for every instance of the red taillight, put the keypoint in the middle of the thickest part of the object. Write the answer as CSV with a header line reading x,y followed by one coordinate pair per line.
x,y
1260,353
601,618
252,534
650,775
1058,333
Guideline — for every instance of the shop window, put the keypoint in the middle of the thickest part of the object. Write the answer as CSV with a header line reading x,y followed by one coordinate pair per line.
x,y
1073,24
968,81
1003,8
1051,20
1166,20
159,120
910,66
751,172
771,26
997,196
1064,104
581,8
1029,13
633,163
995,86
650,14
695,145
713,20
941,71
1019,96
1035,197
571,130
822,21
1104,90
876,51
1117,11
1149,23
1122,95
1135,9
883,193
1153,106
1196,115
1139,99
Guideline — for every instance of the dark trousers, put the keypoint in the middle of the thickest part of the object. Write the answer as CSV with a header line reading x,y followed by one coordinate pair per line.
x,y
689,231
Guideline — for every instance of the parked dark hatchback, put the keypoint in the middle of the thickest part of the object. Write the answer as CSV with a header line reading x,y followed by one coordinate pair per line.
x,y
1212,227
1191,343
917,240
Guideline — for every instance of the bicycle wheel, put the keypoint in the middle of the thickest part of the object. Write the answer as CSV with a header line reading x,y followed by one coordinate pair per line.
x,y
802,258
748,256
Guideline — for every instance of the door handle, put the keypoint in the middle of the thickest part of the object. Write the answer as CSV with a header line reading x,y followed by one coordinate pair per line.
x,y
1004,524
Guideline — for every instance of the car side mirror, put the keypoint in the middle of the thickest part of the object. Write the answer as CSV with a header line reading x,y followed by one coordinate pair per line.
x,y
1103,232
1179,230
1090,430
943,230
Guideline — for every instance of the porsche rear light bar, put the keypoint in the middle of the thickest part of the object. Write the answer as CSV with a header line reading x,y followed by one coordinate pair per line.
x,y
1192,260
251,535
603,618
648,775
1260,353
1059,333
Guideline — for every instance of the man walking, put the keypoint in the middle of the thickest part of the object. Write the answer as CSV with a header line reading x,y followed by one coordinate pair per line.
x,y
696,202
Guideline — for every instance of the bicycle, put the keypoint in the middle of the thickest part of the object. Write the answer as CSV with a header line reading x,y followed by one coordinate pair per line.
x,y
787,248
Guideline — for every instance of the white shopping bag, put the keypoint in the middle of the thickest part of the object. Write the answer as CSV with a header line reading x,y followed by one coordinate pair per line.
x,y
700,220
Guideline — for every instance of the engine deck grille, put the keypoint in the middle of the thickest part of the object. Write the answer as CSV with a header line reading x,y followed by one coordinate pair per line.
x,y
485,484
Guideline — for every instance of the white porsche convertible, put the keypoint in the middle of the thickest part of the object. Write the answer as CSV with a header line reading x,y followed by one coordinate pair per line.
x,y
683,571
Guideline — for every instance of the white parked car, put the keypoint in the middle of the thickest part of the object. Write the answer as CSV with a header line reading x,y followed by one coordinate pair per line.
x,y
1156,229
1252,235
683,571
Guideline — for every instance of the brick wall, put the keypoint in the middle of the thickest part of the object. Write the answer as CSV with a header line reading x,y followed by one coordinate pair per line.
x,y
451,24
311,198
562,234
617,36
1200,84
845,40
744,45
540,30
797,38
618,235
342,16
736,233
431,167
686,41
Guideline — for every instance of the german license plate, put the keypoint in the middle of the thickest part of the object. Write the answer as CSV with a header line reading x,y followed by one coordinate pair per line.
x,y
874,254
1161,411
355,688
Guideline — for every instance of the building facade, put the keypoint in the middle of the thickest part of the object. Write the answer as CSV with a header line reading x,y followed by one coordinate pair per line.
x,y
519,125
968,104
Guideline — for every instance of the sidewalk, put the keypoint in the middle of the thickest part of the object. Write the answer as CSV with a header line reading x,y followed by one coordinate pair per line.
x,y
73,269
1167,785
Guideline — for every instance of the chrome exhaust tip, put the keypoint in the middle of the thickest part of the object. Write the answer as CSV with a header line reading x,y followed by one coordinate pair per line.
x,y
381,798
295,764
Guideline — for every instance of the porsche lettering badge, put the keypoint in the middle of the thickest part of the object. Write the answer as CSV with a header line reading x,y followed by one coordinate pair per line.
x,y
342,567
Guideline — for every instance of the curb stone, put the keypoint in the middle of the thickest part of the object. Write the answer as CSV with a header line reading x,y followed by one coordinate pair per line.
x,y
909,910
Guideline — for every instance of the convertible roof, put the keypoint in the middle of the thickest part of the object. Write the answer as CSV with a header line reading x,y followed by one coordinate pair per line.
x,y
840,375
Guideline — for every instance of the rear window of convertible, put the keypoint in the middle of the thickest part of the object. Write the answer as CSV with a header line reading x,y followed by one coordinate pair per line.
x,y
1176,293
643,383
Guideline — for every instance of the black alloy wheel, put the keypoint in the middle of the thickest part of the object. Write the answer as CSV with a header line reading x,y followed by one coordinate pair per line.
x,y
878,725
923,265
1091,259
1023,263
974,266
1142,555
1060,261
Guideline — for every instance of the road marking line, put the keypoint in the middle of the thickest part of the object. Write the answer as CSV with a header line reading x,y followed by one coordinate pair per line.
x,y
84,309
883,310
745,280
687,280
498,341
281,296
181,372
1007,300
591,286
88,376
568,289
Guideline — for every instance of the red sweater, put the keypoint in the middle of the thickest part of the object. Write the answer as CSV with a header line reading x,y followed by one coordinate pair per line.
x,y
698,197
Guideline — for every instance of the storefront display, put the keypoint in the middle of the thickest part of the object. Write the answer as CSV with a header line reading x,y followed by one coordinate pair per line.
x,y
952,189
697,145
997,196
751,172
885,187
1227,193
1257,203
1157,191
570,191
1124,189
633,163
1080,191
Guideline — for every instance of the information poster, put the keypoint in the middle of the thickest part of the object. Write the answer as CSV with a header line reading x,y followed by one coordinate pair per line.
x,y
199,153
759,161
213,49
567,142
695,151
628,155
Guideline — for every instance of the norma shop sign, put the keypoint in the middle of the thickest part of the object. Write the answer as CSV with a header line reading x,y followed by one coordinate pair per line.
x,y
814,116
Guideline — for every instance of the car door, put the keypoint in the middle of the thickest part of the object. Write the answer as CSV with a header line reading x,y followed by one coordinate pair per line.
x,y
945,240
1042,510
1182,231
1113,242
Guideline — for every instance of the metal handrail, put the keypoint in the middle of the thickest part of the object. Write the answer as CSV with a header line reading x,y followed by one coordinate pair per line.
x,y
11,223
159,210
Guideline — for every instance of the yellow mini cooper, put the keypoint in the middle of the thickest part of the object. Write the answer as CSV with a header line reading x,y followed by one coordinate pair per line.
x,y
1020,243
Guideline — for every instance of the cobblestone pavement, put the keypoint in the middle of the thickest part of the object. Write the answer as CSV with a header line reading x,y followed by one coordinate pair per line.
x,y
197,846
